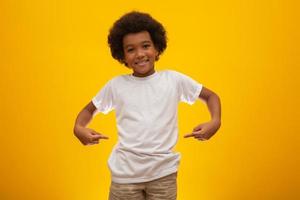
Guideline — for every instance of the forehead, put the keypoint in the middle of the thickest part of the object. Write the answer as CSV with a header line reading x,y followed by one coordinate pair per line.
x,y
136,38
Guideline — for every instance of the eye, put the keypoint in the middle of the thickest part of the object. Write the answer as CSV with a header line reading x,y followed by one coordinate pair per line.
x,y
145,46
129,50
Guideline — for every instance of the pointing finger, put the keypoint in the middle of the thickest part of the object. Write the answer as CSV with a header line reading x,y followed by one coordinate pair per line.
x,y
100,137
189,135
104,137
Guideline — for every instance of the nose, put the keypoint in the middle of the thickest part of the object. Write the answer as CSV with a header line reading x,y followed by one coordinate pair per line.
x,y
140,53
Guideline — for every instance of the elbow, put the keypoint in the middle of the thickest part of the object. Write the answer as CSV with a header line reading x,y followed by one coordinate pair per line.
x,y
75,130
213,94
213,97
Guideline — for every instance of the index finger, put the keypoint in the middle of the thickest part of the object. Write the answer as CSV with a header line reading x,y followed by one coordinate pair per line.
x,y
98,136
104,137
189,135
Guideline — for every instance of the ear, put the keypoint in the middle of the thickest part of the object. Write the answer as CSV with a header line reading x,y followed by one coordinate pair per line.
x,y
156,55
125,63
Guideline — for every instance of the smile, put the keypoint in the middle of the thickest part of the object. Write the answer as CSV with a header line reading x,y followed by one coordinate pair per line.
x,y
142,62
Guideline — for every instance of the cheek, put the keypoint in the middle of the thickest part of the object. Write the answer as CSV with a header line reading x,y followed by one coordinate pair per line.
x,y
127,58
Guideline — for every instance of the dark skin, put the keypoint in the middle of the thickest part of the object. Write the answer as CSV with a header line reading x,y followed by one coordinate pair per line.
x,y
140,55
86,135
203,131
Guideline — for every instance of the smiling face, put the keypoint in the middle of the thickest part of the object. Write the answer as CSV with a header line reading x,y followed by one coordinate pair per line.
x,y
139,53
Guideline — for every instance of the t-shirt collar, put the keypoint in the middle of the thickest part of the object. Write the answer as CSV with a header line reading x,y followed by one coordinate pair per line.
x,y
143,78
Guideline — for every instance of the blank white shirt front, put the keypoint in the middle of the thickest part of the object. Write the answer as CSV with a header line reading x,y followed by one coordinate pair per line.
x,y
146,111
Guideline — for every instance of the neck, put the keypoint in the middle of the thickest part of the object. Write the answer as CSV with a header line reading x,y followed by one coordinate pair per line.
x,y
143,75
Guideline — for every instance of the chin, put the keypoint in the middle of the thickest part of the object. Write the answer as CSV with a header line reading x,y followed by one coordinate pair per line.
x,y
142,72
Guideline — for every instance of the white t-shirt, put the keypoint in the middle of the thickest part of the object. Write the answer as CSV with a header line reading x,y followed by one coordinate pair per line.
x,y
146,112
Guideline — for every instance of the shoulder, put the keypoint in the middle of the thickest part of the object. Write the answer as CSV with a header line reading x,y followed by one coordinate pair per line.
x,y
173,74
168,72
181,78
119,79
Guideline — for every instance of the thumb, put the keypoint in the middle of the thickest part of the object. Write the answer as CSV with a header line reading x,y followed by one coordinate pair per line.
x,y
198,128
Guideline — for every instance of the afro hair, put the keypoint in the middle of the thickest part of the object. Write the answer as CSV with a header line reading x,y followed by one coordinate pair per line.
x,y
135,22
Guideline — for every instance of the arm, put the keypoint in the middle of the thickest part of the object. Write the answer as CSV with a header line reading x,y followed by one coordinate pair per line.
x,y
207,130
213,103
85,135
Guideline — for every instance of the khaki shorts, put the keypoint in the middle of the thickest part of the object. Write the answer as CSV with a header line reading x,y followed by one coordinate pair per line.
x,y
164,188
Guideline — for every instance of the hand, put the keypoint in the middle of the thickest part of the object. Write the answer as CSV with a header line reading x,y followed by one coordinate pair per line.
x,y
204,131
88,136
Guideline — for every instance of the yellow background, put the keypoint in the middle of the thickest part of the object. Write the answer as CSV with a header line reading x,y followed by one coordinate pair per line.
x,y
54,58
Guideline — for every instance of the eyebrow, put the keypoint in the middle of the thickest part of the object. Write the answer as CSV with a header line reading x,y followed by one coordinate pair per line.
x,y
143,42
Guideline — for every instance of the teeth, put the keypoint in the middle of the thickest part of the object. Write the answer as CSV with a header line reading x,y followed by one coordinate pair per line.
x,y
142,62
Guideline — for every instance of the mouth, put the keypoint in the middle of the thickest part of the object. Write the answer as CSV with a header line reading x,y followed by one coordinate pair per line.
x,y
142,62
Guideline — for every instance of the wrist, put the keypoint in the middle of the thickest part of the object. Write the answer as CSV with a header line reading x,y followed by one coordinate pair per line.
x,y
77,128
216,121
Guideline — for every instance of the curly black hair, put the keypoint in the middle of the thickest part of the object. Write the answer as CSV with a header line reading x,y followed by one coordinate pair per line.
x,y
134,22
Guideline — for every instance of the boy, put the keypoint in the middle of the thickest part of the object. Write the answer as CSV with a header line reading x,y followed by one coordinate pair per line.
x,y
142,164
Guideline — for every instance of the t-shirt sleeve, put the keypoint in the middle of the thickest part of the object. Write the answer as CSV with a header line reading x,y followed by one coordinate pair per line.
x,y
103,100
189,89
